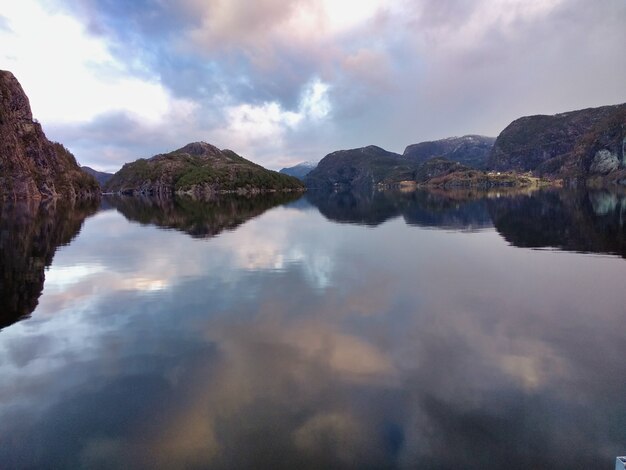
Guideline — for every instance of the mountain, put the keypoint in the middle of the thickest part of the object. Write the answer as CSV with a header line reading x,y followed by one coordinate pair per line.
x,y
578,144
100,176
198,169
469,150
300,170
371,166
363,167
31,166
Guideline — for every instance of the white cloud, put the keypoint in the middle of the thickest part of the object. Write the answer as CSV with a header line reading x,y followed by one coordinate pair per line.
x,y
69,75
249,127
315,103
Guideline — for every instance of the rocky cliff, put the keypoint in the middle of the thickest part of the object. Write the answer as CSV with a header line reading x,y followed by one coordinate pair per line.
x,y
469,150
198,169
574,145
31,166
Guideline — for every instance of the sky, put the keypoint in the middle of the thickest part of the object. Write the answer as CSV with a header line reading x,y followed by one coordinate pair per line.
x,y
285,81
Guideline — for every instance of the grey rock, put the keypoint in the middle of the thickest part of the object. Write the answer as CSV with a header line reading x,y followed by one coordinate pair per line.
x,y
604,162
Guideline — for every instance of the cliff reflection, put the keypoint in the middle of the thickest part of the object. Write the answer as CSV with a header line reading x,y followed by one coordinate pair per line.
x,y
30,233
589,222
198,218
569,220
451,210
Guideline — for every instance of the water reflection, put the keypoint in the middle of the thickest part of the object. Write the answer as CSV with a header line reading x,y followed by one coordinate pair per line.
x,y
571,220
456,210
568,220
198,218
30,233
393,347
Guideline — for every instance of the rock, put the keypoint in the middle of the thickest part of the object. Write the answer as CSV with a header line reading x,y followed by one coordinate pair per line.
x,y
31,166
604,162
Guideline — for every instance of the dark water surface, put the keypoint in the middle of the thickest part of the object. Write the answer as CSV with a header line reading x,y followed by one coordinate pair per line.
x,y
380,330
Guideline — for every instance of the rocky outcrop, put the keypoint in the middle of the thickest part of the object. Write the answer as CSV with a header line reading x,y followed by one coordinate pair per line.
x,y
574,145
201,170
469,150
31,166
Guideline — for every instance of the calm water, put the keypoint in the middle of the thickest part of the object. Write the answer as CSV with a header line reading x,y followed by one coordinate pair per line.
x,y
435,331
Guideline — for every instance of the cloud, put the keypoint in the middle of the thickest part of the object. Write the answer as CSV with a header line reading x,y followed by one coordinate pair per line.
x,y
282,82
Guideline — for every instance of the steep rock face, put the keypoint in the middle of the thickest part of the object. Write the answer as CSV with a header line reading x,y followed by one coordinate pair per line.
x,y
576,144
300,170
198,169
363,167
30,165
469,150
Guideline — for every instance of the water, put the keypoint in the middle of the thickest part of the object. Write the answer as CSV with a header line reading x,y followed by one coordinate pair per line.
x,y
380,330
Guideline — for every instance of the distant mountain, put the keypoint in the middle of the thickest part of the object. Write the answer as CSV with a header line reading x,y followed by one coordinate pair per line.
x,y
372,166
198,169
469,150
300,170
31,166
363,167
100,176
578,144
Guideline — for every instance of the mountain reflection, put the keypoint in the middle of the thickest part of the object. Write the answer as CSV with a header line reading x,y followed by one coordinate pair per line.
x,y
198,218
449,210
570,220
591,222
30,233
390,348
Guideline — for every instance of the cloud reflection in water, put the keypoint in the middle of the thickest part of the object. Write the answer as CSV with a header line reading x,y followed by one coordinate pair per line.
x,y
294,341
